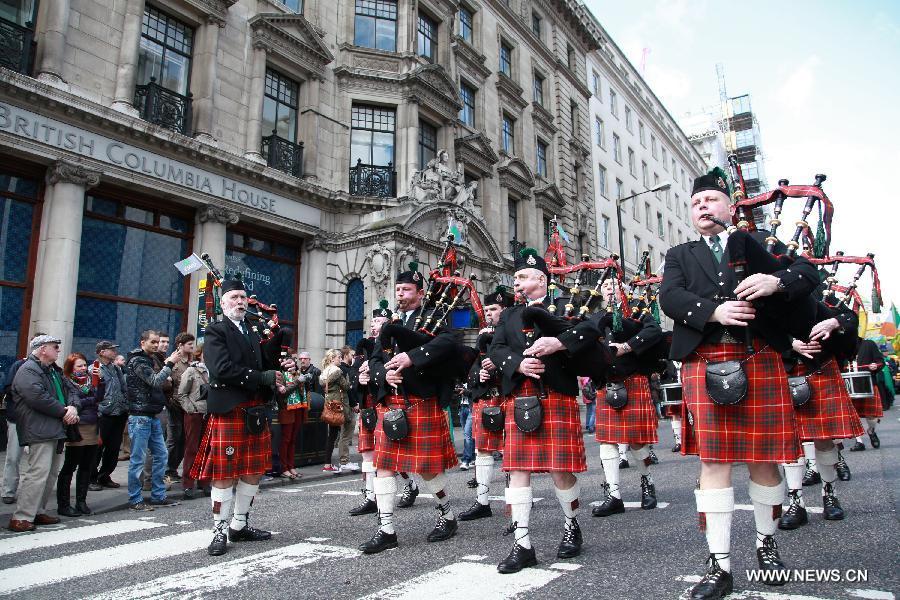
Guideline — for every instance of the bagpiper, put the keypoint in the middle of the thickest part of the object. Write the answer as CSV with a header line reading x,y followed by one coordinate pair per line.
x,y
869,358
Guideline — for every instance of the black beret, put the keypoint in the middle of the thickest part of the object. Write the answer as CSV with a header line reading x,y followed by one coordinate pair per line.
x,y
529,259
502,296
716,180
382,310
230,285
412,276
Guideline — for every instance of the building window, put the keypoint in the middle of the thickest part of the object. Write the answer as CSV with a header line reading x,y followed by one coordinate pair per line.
x,y
573,118
601,135
656,183
467,95
620,189
597,85
741,104
294,5
653,146
631,166
355,312
669,223
659,225
637,249
466,19
509,135
571,58
642,134
635,209
674,171
743,138
683,180
677,207
750,171
647,219
665,160
506,60
628,121
512,223
614,103
165,52
645,175
372,151
601,181
536,24
541,158
547,229
428,37
280,106
375,25
617,149
427,143
603,234
538,91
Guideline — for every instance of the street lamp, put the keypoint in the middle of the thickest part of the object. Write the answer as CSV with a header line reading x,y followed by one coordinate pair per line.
x,y
657,188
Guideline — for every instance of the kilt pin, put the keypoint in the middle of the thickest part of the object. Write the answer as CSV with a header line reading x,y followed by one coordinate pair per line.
x,y
426,449
761,428
829,414
635,423
229,451
486,441
557,446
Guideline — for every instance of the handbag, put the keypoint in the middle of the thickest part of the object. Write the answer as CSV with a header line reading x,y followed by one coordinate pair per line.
x,y
369,418
333,412
73,435
726,382
255,419
492,418
801,391
528,413
616,395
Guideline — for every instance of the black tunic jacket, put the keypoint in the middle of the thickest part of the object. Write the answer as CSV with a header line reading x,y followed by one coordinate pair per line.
x,y
235,365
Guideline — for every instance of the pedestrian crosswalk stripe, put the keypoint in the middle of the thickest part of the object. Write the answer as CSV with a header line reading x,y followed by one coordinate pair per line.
x,y
71,535
216,578
467,580
565,566
426,496
64,568
473,557
871,594
634,504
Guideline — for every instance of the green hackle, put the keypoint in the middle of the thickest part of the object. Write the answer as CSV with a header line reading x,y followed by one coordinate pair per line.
x,y
414,265
383,304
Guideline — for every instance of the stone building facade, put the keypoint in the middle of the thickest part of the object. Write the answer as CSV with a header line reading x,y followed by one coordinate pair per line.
x,y
296,141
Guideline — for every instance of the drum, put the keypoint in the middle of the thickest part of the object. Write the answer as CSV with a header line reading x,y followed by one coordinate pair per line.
x,y
671,394
859,384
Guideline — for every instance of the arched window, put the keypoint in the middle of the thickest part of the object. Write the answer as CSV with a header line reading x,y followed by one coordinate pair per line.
x,y
356,305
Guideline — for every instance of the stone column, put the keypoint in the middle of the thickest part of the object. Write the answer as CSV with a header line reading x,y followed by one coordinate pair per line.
x,y
59,248
312,305
254,110
126,71
209,237
309,127
52,43
504,236
407,154
203,79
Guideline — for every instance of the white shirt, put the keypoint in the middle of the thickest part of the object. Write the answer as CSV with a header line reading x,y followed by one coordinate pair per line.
x,y
723,239
238,324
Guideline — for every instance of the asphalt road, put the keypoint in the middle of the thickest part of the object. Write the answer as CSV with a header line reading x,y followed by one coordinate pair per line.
x,y
313,554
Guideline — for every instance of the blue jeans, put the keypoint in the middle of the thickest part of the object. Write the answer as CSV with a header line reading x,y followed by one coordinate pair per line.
x,y
146,432
465,419
590,416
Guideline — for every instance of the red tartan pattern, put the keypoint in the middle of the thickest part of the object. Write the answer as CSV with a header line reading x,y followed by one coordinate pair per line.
x,y
366,441
829,414
228,451
761,428
869,408
427,448
486,441
635,423
557,446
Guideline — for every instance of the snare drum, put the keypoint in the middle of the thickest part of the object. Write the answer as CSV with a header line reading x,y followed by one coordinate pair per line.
x,y
859,384
671,394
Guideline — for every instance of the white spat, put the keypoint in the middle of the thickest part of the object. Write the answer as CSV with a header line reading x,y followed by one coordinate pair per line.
x,y
71,535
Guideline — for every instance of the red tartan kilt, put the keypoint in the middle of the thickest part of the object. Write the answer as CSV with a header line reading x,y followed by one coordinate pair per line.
x,y
228,451
869,408
427,448
635,423
367,438
557,446
486,441
761,428
829,414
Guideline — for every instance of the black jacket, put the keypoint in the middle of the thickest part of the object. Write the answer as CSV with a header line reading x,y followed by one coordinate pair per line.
x,y
144,385
235,364
478,389
9,401
365,394
351,372
39,412
642,334
693,286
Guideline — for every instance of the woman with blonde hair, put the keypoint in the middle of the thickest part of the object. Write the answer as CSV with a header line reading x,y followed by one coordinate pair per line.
x,y
336,386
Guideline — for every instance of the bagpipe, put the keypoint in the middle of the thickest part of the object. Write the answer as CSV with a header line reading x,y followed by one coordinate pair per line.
x,y
850,293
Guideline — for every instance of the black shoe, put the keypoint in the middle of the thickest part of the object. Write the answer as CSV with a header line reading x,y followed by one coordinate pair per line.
x,y
518,559
654,460
68,511
219,544
769,560
94,487
795,515
610,506
444,529
477,511
472,483
831,508
623,464
408,496
366,507
873,439
843,469
83,508
857,446
648,494
570,546
380,542
174,477
248,534
192,493
163,502
717,583
676,447
811,477
107,482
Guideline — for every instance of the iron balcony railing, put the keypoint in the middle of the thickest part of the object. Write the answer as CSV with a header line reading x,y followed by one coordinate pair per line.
x,y
163,107
282,154
16,46
373,180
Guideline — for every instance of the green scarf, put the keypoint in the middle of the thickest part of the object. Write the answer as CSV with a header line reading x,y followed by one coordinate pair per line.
x,y
57,385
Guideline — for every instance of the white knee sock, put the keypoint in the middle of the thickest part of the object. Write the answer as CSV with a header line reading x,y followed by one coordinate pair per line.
x,y
793,475
484,469
641,458
609,457
766,500
717,508
222,499
438,488
385,488
809,451
243,498
519,500
827,459
368,471
676,430
568,500
623,452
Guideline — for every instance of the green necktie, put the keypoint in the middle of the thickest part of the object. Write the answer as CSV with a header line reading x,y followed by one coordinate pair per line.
x,y
716,248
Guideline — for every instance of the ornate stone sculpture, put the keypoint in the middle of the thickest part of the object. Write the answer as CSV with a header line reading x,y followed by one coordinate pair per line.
x,y
379,259
438,182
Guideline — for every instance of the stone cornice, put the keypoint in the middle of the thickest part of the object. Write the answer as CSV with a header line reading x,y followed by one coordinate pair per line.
x,y
475,151
65,171
218,214
293,38
543,119
213,9
548,197
430,86
469,60
516,176
510,94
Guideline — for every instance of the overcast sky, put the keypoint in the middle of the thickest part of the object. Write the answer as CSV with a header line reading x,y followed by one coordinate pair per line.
x,y
822,76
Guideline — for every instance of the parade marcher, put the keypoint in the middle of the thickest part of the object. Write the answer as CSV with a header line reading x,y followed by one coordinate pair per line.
x,y
869,358
634,423
236,445
484,381
415,381
711,327
827,414
540,371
